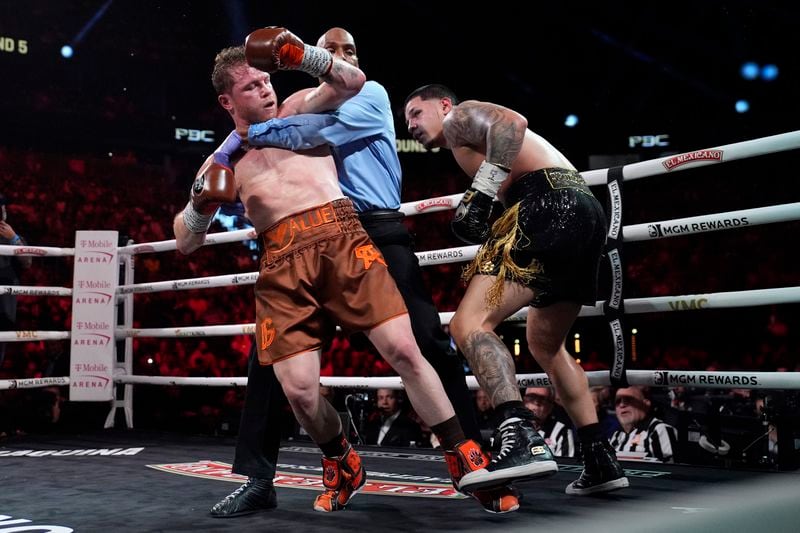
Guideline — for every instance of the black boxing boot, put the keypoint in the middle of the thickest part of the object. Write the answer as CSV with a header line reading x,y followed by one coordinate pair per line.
x,y
601,471
254,496
523,452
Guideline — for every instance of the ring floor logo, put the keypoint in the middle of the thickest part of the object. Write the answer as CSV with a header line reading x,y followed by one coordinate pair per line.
x,y
378,483
9,524
310,477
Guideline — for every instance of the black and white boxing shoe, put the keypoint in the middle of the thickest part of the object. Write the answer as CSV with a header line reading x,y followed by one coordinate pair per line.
x,y
523,455
601,471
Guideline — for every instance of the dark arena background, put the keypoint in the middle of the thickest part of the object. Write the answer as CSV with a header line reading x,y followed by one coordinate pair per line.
x,y
107,111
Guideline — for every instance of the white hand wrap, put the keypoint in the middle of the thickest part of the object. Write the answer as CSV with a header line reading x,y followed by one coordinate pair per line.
x,y
489,178
194,221
316,61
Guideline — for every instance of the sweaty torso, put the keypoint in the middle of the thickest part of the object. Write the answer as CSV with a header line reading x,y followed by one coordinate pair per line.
x,y
536,153
273,183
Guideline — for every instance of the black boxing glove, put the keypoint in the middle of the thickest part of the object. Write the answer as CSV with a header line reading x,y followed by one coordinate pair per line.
x,y
471,221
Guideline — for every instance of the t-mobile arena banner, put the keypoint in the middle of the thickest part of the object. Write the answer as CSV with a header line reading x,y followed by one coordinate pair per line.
x,y
94,286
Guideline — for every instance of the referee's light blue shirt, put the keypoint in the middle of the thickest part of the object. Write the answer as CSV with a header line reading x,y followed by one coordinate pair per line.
x,y
361,135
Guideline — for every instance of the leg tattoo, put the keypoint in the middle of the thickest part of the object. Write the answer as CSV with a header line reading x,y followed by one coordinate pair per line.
x,y
493,366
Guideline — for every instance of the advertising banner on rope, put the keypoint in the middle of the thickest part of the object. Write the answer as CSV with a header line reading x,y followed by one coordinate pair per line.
x,y
94,285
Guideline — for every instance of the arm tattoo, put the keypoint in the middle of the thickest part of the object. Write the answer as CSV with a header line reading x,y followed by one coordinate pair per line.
x,y
336,70
504,143
480,124
339,76
493,366
341,71
467,125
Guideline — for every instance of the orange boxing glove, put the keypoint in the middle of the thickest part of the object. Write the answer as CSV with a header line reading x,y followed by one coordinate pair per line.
x,y
214,185
273,48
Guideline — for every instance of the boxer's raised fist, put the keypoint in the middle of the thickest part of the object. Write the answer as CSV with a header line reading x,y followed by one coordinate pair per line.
x,y
273,48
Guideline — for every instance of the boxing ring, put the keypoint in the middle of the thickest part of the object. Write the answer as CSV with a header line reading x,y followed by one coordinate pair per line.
x,y
133,469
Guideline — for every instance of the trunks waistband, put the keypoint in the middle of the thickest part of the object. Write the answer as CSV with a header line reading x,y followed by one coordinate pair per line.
x,y
546,180
308,226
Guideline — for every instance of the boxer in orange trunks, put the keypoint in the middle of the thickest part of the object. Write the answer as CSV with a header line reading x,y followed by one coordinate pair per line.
x,y
319,267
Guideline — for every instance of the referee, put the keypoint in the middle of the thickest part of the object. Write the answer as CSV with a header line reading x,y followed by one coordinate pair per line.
x,y
640,431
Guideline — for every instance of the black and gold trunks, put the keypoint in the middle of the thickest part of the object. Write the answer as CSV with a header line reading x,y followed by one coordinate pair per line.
x,y
550,239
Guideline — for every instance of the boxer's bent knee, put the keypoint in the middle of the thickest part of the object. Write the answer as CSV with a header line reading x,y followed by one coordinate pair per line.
x,y
403,352
460,328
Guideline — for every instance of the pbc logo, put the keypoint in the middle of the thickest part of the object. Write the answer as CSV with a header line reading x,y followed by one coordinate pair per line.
x,y
648,141
187,134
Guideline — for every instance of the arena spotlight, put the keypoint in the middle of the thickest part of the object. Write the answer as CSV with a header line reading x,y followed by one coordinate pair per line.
x,y
67,50
769,72
571,121
742,106
749,70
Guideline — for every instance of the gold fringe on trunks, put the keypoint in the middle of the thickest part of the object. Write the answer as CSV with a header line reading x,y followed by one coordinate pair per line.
x,y
505,235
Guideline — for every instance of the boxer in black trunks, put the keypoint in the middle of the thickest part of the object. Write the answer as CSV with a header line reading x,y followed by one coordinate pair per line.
x,y
560,237
543,251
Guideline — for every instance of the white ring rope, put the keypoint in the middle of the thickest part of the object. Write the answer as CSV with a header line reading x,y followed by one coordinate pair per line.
x,y
715,222
720,300
653,167
688,302
28,336
697,158
33,383
37,251
226,330
649,378
20,290
654,230
168,246
209,282
635,232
